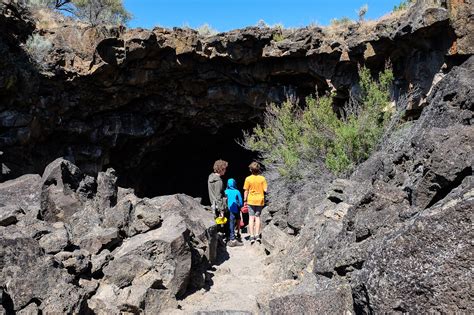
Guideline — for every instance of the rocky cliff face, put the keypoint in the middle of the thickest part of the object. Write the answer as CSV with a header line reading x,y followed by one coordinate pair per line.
x,y
121,98
395,236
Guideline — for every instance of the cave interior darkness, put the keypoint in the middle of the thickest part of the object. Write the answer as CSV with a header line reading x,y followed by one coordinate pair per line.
x,y
183,166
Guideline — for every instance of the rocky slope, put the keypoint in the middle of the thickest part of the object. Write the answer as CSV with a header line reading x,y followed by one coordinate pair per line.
x,y
115,97
71,243
397,235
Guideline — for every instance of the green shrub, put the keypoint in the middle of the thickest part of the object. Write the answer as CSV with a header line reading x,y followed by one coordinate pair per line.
x,y
278,37
94,12
403,5
278,139
291,137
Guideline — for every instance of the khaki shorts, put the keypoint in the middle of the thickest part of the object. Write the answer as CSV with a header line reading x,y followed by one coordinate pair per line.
x,y
255,211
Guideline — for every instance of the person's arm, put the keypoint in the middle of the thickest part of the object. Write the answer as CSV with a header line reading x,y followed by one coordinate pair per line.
x,y
246,191
239,196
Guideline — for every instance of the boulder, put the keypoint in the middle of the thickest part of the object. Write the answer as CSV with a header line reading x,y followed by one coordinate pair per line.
x,y
424,265
28,275
309,295
106,189
23,191
158,260
59,200
57,240
76,262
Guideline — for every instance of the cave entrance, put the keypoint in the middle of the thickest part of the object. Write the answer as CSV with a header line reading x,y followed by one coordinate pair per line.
x,y
183,166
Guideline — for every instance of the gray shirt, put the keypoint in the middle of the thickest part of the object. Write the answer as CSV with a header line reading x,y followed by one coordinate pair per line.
x,y
216,191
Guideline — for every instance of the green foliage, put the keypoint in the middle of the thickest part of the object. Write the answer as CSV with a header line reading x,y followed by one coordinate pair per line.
x,y
278,37
278,138
94,12
39,3
101,11
403,5
292,137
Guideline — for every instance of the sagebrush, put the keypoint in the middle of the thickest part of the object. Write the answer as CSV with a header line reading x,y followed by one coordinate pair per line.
x,y
94,12
293,137
206,30
38,47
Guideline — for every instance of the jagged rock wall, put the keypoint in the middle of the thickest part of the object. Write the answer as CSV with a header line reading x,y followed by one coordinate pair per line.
x,y
396,236
121,97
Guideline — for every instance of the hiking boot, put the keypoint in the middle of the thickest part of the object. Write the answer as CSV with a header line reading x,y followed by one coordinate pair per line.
x,y
234,243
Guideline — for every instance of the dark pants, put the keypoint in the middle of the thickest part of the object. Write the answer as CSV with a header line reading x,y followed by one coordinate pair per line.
x,y
234,217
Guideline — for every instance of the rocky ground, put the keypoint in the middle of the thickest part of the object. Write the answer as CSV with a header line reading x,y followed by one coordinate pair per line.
x,y
240,280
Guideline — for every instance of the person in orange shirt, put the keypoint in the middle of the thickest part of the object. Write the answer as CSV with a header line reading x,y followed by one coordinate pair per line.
x,y
255,187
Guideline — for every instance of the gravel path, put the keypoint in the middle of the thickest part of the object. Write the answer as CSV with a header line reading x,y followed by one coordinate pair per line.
x,y
236,282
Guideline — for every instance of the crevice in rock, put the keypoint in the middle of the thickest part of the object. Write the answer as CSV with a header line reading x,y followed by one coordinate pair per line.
x,y
40,234
7,303
326,274
99,274
360,238
449,97
112,245
342,271
71,248
450,186
84,307
361,300
37,302
296,230
335,199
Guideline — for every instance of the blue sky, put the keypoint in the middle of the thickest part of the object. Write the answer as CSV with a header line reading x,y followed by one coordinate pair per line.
x,y
225,15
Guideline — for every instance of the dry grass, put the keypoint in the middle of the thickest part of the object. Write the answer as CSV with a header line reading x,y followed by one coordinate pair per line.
x,y
337,31
47,19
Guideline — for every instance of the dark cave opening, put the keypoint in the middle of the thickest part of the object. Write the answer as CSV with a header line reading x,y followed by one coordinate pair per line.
x,y
184,165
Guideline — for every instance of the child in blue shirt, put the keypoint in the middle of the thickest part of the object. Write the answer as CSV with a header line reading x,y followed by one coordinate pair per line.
x,y
234,202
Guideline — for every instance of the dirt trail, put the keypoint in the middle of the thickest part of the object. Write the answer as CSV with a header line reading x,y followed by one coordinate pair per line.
x,y
237,281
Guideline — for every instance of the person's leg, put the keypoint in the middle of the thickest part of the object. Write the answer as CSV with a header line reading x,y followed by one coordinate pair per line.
x,y
226,226
237,223
258,211
232,226
251,224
